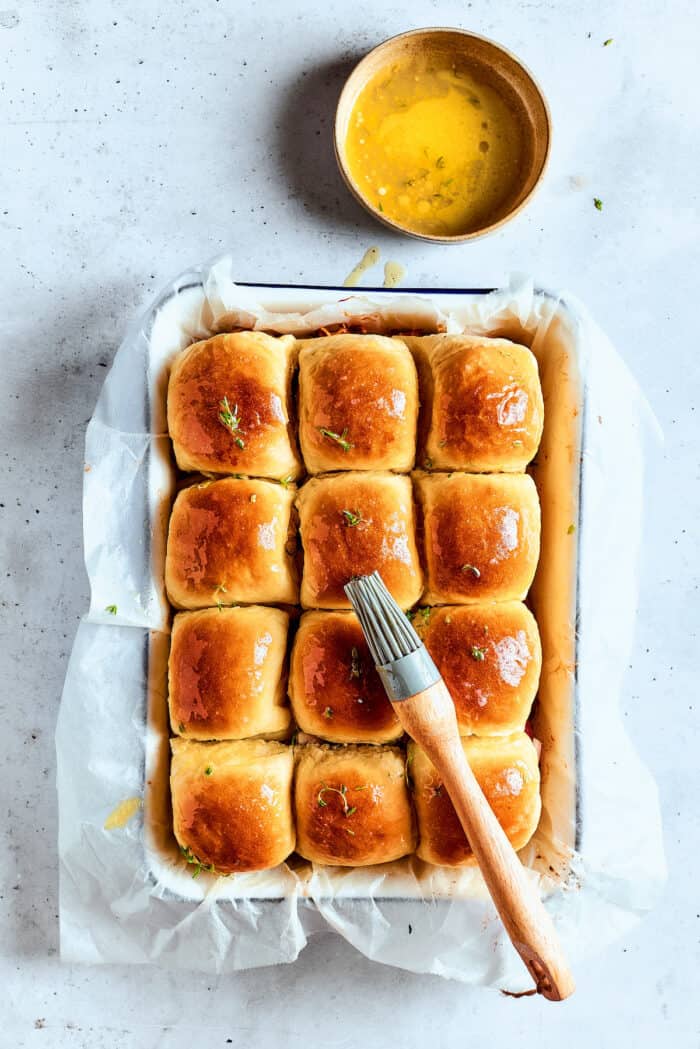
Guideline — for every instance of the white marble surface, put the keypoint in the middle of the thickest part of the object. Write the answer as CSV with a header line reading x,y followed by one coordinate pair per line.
x,y
140,137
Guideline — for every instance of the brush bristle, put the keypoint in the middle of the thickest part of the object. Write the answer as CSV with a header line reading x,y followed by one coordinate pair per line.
x,y
389,634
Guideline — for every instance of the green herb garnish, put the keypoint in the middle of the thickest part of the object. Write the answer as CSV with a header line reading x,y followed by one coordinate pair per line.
x,y
571,529
355,663
342,792
425,614
198,865
221,589
112,609
339,438
352,517
208,770
473,569
379,205
608,42
232,421
440,162
598,203
328,713
286,481
478,653
428,463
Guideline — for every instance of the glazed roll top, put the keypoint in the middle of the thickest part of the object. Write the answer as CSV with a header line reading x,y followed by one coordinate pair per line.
x,y
353,524
483,409
229,406
334,688
352,805
231,541
358,404
226,673
232,803
490,658
481,535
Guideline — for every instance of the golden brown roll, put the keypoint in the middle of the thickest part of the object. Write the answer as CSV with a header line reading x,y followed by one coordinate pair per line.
x,y
231,540
228,406
232,803
334,688
352,524
483,403
358,404
490,657
226,676
352,805
508,774
481,535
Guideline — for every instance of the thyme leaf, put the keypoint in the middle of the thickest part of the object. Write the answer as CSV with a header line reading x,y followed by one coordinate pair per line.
x,y
352,517
339,438
355,663
232,421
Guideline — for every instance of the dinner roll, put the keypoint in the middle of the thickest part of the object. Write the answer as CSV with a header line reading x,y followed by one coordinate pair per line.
x,y
232,803
226,675
231,540
490,658
482,403
358,404
334,688
481,535
507,772
352,524
228,406
352,805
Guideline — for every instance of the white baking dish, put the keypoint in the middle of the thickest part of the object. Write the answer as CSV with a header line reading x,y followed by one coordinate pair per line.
x,y
552,334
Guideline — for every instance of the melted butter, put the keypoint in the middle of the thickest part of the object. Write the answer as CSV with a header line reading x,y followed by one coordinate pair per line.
x,y
369,259
433,147
120,816
394,273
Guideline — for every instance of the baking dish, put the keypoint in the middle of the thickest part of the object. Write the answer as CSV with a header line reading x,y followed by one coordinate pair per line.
x,y
551,333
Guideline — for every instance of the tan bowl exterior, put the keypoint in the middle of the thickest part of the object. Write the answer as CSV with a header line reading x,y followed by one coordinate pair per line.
x,y
501,65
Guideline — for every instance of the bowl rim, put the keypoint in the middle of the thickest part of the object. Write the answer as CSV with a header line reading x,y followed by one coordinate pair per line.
x,y
452,238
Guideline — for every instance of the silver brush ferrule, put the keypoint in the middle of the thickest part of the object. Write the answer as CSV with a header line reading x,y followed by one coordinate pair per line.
x,y
408,675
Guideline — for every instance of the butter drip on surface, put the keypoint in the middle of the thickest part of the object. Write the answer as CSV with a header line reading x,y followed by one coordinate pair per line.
x,y
120,816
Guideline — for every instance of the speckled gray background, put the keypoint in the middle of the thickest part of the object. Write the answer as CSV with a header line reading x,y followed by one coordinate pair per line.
x,y
140,137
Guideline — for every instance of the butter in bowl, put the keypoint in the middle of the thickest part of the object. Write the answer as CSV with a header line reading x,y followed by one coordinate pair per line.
x,y
442,134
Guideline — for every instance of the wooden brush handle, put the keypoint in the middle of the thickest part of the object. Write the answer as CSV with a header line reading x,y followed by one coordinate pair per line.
x,y
429,718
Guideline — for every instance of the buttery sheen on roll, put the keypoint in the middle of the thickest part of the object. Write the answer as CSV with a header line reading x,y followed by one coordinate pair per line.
x,y
482,408
353,524
490,658
481,536
231,540
226,673
232,803
358,404
507,772
334,687
352,805
228,406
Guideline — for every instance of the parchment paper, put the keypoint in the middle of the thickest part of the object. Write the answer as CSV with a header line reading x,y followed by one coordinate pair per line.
x,y
116,905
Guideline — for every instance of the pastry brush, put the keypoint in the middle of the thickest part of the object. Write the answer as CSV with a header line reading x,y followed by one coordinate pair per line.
x,y
426,711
